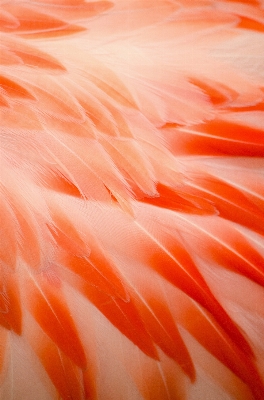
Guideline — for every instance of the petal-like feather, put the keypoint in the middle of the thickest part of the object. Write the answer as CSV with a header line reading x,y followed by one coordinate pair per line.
x,y
132,200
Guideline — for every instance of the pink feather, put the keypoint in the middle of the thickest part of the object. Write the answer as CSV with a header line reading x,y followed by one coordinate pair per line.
x,y
132,200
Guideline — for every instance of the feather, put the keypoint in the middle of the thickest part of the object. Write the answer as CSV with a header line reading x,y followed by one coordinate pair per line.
x,y
132,201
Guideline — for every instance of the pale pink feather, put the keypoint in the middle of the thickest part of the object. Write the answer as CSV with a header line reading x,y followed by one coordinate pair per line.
x,y
132,200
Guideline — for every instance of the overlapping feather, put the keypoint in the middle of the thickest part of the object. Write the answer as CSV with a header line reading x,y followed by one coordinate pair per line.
x,y
132,199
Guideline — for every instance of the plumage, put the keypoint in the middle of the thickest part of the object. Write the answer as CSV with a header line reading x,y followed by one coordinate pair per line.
x,y
132,200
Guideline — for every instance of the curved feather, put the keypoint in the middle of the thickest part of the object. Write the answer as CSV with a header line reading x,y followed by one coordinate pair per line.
x,y
131,199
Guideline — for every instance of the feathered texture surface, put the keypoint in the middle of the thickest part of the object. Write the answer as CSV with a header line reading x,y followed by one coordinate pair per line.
x,y
132,188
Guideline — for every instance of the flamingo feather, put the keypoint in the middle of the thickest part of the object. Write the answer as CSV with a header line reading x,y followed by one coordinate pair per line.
x,y
131,185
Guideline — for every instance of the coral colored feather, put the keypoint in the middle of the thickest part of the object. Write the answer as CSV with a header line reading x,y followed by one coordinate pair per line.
x,y
132,200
